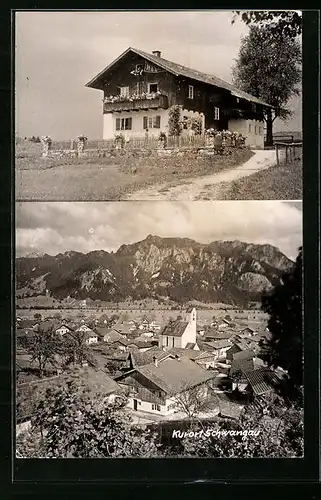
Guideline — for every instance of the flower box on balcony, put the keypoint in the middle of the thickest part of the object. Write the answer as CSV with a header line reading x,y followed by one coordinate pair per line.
x,y
135,102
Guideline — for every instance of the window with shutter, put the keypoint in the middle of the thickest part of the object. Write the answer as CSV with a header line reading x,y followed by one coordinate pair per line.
x,y
157,121
150,122
145,123
128,124
117,123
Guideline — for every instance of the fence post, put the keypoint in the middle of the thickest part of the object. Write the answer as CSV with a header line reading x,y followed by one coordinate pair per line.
x,y
277,154
46,145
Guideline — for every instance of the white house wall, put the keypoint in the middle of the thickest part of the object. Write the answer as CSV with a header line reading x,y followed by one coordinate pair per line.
x,y
137,130
252,129
147,407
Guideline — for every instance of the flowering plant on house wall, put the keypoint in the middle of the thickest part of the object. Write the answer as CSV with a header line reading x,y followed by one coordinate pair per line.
x,y
120,139
175,122
46,140
133,97
195,124
226,136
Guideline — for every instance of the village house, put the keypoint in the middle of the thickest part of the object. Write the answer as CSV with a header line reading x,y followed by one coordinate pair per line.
x,y
250,376
83,328
138,358
218,348
179,333
63,329
139,90
237,346
213,335
203,358
156,387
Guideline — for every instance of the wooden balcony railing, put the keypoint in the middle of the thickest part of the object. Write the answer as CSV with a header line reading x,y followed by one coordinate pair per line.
x,y
137,104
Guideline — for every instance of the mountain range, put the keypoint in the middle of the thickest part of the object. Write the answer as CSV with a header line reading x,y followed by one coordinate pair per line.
x,y
232,272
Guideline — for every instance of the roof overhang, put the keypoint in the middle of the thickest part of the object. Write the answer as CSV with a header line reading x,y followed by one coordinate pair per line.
x,y
95,82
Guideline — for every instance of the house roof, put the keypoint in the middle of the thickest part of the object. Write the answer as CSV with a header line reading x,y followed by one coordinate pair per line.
x,y
188,353
140,358
28,394
175,328
110,334
173,376
218,335
218,344
178,70
261,380
242,361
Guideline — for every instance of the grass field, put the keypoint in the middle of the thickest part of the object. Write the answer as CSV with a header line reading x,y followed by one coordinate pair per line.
x,y
97,179
160,316
282,182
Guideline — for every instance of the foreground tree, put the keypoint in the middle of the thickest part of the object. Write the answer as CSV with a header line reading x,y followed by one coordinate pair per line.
x,y
70,423
285,22
269,67
284,306
271,428
192,402
75,350
43,346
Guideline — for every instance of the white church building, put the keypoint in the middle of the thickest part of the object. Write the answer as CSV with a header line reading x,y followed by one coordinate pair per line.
x,y
180,333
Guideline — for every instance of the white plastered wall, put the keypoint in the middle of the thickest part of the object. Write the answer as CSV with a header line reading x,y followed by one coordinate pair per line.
x,y
252,129
137,131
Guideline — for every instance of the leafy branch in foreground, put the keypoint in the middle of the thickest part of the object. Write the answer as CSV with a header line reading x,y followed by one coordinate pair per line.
x,y
70,423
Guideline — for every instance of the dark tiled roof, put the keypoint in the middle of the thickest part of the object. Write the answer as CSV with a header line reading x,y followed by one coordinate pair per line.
x,y
175,328
261,380
247,354
140,358
218,344
179,70
173,376
217,335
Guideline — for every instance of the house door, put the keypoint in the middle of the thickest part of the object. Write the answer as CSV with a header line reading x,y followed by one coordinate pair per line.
x,y
135,404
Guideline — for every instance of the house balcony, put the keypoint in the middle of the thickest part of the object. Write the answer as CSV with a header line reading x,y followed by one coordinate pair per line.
x,y
236,113
137,104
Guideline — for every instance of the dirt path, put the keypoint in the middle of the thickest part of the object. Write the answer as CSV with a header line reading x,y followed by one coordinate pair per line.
x,y
193,189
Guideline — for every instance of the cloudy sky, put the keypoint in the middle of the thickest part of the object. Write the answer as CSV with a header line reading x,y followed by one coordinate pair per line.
x,y
58,227
57,53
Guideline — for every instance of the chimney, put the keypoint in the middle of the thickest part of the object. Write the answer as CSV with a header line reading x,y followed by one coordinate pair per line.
x,y
156,53
155,361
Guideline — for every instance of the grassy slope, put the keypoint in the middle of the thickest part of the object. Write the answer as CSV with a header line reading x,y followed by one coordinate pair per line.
x,y
110,178
276,183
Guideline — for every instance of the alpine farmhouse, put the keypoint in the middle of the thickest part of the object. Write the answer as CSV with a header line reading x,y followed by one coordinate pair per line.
x,y
140,88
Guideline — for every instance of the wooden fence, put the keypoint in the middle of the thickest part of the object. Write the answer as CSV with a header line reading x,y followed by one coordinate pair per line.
x,y
292,151
196,141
